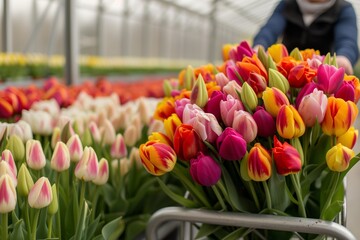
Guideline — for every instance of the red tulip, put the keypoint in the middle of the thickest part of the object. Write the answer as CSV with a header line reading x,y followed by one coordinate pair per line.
x,y
287,158
187,143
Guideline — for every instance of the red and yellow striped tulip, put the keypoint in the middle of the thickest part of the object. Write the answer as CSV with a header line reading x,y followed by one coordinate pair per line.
x,y
339,116
157,158
338,157
289,123
273,100
278,52
170,125
259,163
349,138
164,109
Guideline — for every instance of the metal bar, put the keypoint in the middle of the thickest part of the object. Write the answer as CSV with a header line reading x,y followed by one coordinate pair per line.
x,y
54,28
124,36
6,27
71,43
100,29
212,32
248,220
36,27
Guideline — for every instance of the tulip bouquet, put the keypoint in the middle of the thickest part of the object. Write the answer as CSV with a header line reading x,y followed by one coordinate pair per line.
x,y
75,172
267,132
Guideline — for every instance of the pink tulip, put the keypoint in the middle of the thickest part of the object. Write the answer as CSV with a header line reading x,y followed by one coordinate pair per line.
x,y
103,173
7,194
232,72
5,169
60,160
245,124
205,124
306,90
180,105
75,147
228,108
95,132
312,108
7,156
88,166
118,148
40,195
329,78
232,88
35,157
346,91
108,133
221,79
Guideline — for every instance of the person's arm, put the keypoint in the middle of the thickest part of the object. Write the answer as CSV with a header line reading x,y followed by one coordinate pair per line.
x,y
346,39
274,27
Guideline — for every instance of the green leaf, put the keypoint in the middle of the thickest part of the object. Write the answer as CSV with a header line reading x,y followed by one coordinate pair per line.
x,y
42,229
238,233
206,230
279,197
92,227
243,168
18,231
114,229
333,210
177,198
134,229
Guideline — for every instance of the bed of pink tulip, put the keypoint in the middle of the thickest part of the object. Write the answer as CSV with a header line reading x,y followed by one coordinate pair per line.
x,y
69,164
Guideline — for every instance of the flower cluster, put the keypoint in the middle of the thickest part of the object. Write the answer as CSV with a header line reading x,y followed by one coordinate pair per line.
x,y
264,132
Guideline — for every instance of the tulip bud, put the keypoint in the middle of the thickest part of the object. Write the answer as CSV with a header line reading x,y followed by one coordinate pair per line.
x,y
204,170
189,78
160,137
338,157
103,173
87,168
248,96
312,108
232,88
221,79
231,145
54,205
124,166
40,195
16,146
157,158
7,156
245,124
25,181
108,133
349,138
167,88
95,132
289,123
60,160
131,135
276,79
143,111
8,194
86,138
56,137
199,94
265,122
66,132
6,170
118,148
296,54
75,148
134,157
26,130
259,163
35,157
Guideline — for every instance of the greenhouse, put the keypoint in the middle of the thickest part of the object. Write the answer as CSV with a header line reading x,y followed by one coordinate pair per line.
x,y
179,119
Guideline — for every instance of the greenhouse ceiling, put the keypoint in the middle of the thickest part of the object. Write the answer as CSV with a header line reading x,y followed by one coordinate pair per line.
x,y
243,16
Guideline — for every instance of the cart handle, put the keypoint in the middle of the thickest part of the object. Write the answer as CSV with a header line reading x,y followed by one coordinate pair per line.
x,y
248,220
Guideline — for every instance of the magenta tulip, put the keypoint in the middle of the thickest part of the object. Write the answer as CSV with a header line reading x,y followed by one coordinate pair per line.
x,y
213,105
205,170
329,78
265,122
231,145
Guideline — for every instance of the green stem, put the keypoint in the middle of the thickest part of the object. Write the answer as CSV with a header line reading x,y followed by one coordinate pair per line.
x,y
82,202
219,197
296,184
58,217
333,185
254,195
267,195
94,202
34,224
27,218
191,187
4,223
50,226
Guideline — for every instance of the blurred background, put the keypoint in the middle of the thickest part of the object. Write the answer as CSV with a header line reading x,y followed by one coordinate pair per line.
x,y
127,37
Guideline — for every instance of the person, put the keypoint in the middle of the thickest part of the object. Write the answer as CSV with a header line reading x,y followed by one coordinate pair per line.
x,y
324,25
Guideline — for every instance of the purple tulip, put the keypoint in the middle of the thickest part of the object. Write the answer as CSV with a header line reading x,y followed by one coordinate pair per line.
x,y
204,170
265,122
231,145
213,104
346,91
329,78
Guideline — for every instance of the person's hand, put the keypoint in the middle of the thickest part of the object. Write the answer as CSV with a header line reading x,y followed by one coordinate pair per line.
x,y
345,63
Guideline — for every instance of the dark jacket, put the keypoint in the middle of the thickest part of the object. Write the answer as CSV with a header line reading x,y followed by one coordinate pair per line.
x,y
333,31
